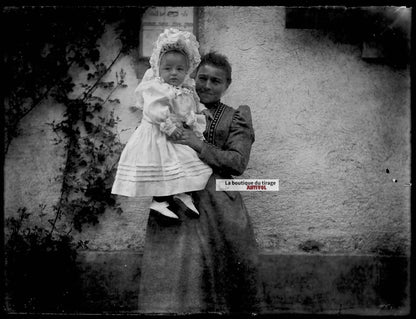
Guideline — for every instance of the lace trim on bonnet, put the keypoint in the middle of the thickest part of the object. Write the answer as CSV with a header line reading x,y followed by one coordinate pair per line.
x,y
173,39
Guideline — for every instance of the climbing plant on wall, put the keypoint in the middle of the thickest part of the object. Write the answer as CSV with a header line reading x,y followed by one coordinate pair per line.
x,y
46,43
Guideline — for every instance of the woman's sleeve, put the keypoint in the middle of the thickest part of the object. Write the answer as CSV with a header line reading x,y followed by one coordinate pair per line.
x,y
233,158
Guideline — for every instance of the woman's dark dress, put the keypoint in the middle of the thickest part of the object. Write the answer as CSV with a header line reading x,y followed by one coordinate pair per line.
x,y
206,264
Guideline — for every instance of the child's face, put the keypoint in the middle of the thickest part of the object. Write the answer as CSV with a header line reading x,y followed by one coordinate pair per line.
x,y
173,68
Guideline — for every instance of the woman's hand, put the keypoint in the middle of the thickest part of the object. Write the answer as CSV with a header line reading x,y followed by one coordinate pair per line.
x,y
189,138
177,133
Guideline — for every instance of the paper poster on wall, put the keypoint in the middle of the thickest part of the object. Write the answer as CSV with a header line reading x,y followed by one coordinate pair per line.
x,y
156,19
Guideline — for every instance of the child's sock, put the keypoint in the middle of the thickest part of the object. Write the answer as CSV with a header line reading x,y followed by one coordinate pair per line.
x,y
162,207
187,200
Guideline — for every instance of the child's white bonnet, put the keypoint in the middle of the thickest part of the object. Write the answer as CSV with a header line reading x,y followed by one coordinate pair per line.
x,y
173,39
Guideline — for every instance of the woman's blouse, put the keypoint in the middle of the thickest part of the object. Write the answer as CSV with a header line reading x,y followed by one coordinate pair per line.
x,y
164,104
229,137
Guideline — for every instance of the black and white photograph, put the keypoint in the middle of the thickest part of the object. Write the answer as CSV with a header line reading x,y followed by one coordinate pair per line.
x,y
207,160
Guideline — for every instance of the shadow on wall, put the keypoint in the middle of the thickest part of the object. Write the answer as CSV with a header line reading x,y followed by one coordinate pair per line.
x,y
382,32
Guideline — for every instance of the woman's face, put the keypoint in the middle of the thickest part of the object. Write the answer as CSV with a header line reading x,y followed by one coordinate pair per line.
x,y
211,83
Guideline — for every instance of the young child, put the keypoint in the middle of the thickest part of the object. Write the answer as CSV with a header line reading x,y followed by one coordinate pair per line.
x,y
150,164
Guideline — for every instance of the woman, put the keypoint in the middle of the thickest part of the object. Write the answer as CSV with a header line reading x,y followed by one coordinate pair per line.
x,y
207,264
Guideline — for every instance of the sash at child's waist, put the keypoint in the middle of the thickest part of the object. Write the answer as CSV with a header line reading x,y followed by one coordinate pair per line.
x,y
176,119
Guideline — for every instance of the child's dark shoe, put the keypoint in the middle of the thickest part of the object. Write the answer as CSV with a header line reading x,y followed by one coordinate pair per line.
x,y
187,201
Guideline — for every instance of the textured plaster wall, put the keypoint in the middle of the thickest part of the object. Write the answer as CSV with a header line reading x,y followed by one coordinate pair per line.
x,y
124,231
327,124
33,162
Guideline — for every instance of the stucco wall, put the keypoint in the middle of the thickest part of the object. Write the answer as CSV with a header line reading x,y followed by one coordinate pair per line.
x,y
32,163
327,123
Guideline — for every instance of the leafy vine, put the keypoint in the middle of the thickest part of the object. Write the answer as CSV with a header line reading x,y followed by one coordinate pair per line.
x,y
92,152
46,43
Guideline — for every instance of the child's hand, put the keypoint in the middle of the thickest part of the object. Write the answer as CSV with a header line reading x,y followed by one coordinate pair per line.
x,y
190,119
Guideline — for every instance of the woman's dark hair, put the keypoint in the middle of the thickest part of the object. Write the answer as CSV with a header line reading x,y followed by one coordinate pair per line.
x,y
218,60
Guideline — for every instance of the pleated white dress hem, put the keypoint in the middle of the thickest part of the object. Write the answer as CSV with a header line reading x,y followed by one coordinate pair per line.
x,y
151,165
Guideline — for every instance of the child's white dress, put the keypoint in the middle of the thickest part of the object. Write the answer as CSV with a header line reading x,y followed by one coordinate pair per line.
x,y
151,165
